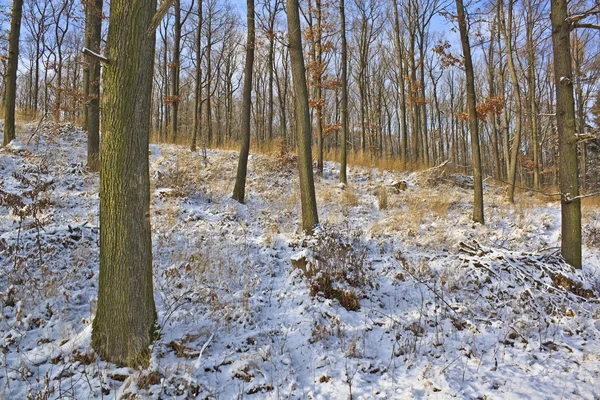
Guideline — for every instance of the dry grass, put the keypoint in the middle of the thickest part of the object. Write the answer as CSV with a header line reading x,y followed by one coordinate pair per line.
x,y
591,202
382,198
349,197
273,148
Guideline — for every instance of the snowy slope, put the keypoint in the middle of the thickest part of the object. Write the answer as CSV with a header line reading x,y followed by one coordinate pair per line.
x,y
447,308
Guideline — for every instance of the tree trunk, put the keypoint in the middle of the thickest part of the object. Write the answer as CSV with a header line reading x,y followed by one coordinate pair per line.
x,y
198,83
318,87
174,67
308,199
124,327
11,72
533,112
516,143
344,83
94,33
471,104
209,44
400,60
567,140
239,189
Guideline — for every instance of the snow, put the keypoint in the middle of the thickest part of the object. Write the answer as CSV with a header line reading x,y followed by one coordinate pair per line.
x,y
448,308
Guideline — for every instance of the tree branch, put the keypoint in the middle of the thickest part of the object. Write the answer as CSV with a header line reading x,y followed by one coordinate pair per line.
x,y
591,26
585,14
96,56
158,16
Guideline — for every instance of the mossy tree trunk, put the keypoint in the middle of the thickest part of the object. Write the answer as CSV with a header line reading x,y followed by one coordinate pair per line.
x,y
472,107
11,72
124,323
308,199
567,140
239,190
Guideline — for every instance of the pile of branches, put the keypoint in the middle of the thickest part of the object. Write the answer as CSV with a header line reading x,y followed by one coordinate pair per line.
x,y
526,282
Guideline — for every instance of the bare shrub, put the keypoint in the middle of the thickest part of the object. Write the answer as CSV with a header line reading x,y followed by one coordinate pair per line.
x,y
30,203
592,236
284,157
334,266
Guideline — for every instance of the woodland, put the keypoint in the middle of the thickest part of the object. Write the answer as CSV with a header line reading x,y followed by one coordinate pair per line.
x,y
348,199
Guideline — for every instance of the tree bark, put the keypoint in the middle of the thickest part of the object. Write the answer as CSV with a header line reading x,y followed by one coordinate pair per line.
x,y
567,140
11,72
124,327
308,199
239,189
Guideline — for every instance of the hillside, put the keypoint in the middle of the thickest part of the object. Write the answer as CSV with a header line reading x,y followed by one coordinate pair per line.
x,y
433,305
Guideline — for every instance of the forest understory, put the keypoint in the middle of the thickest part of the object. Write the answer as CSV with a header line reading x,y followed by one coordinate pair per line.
x,y
399,294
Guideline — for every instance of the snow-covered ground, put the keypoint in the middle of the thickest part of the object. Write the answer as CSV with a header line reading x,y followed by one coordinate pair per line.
x,y
438,306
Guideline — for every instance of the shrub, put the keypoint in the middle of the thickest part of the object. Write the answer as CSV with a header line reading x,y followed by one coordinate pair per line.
x,y
333,266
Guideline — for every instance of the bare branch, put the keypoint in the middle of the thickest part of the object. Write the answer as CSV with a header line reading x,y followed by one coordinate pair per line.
x,y
583,15
158,16
590,26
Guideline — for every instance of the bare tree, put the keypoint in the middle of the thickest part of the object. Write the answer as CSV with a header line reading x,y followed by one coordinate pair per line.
x,y
239,190
308,199
472,108
344,83
198,81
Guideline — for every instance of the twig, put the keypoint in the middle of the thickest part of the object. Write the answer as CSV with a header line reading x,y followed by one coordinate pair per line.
x,y
202,351
37,128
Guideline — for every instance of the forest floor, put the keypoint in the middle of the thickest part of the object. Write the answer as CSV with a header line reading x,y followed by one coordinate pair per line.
x,y
434,305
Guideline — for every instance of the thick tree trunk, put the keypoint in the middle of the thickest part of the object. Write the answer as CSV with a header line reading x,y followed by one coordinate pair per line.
x,y
567,140
472,107
11,72
123,327
308,199
94,33
239,189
